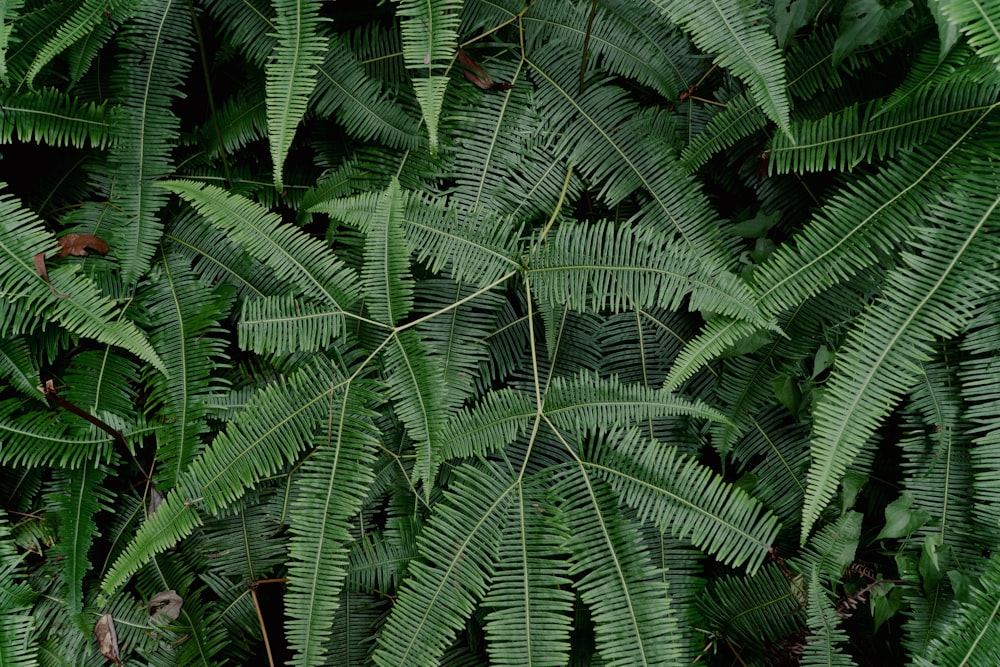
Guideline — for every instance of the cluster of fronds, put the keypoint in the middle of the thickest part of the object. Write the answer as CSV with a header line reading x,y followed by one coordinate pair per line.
x,y
565,332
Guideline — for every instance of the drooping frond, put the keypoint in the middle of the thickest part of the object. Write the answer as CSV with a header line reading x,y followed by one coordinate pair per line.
x,y
18,368
429,29
329,492
979,21
386,269
921,302
499,418
739,33
249,25
626,595
740,118
42,438
50,116
457,550
685,498
83,311
291,74
718,335
158,58
292,255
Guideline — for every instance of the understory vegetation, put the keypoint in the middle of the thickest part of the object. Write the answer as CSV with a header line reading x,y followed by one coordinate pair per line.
x,y
476,332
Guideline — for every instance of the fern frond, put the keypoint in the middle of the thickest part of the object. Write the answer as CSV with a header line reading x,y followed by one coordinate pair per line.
x,y
921,302
280,324
18,368
248,25
626,595
824,644
184,314
831,550
359,103
611,267
739,33
740,118
175,519
386,269
418,393
84,312
498,419
291,74
979,21
52,117
529,603
328,492
686,498
292,254
151,79
718,335
754,611
457,549
842,140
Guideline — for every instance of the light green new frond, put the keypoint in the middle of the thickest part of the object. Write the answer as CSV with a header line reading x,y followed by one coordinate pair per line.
x,y
292,254
458,550
626,594
278,423
291,74
686,498
150,80
280,324
175,519
77,497
359,102
386,269
89,16
824,643
592,402
84,311
931,297
18,368
608,267
52,117
847,138
329,491
740,34
500,418
530,602
972,638
979,21
418,396
183,314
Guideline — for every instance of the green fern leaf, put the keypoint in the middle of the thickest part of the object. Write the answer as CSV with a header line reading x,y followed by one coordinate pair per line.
x,y
880,359
498,419
738,32
50,116
457,549
979,21
280,324
18,368
85,311
329,491
686,498
388,286
627,596
291,74
292,254
824,646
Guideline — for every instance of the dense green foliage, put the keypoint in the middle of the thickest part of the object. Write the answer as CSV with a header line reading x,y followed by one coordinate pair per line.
x,y
611,332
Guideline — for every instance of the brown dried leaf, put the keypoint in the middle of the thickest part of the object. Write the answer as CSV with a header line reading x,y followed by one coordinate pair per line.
x,y
107,639
473,72
155,500
40,270
165,606
77,245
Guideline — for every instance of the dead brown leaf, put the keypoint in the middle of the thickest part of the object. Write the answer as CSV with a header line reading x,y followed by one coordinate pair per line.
x,y
107,639
78,244
165,606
